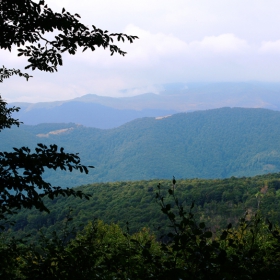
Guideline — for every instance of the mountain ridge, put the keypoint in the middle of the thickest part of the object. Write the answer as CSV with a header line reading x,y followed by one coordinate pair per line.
x,y
215,143
107,112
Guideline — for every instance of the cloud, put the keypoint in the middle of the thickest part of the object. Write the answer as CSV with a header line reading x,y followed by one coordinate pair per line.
x,y
141,90
272,47
158,49
180,42
162,50
224,43
153,59
152,48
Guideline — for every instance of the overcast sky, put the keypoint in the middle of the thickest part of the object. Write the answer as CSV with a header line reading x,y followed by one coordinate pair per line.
x,y
179,41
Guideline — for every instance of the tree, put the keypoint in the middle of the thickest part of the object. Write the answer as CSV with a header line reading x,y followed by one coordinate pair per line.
x,y
24,24
6,119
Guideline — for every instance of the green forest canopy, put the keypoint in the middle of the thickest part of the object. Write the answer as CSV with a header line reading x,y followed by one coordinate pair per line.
x,y
190,248
217,143
218,202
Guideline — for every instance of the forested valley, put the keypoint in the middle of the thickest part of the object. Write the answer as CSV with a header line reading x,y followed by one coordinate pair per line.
x,y
217,143
156,229
218,219
217,202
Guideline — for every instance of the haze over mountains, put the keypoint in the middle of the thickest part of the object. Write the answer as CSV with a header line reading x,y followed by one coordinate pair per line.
x,y
108,112
145,136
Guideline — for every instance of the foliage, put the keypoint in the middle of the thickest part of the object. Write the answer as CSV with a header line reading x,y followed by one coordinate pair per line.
x,y
247,252
204,144
7,73
21,175
218,202
26,23
190,250
6,119
21,172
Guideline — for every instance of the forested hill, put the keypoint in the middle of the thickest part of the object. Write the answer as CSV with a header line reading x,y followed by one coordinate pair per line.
x,y
215,143
218,202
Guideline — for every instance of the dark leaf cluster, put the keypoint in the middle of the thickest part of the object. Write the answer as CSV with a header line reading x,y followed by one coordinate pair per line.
x,y
26,24
7,73
21,181
6,119
190,250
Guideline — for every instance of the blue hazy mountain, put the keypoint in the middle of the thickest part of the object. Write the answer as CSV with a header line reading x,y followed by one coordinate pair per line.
x,y
84,113
109,112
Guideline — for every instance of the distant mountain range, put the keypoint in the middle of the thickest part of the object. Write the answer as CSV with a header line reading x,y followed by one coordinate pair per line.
x,y
108,112
215,143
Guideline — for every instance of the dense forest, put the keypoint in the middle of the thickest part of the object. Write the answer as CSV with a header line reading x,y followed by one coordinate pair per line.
x,y
152,229
218,202
216,143
230,232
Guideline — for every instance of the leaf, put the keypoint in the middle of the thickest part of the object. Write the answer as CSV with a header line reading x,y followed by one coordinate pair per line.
x,y
208,234
224,235
202,225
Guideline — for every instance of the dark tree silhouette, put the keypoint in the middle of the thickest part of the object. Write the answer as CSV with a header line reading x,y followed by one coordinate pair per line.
x,y
25,24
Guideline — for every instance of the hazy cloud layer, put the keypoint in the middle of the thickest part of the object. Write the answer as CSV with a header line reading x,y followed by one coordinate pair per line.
x,y
185,41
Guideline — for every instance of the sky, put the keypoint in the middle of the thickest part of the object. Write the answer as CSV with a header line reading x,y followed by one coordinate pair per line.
x,y
179,41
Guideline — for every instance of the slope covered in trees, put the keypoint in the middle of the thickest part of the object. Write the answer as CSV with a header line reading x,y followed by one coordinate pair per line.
x,y
100,251
218,202
216,143
189,249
